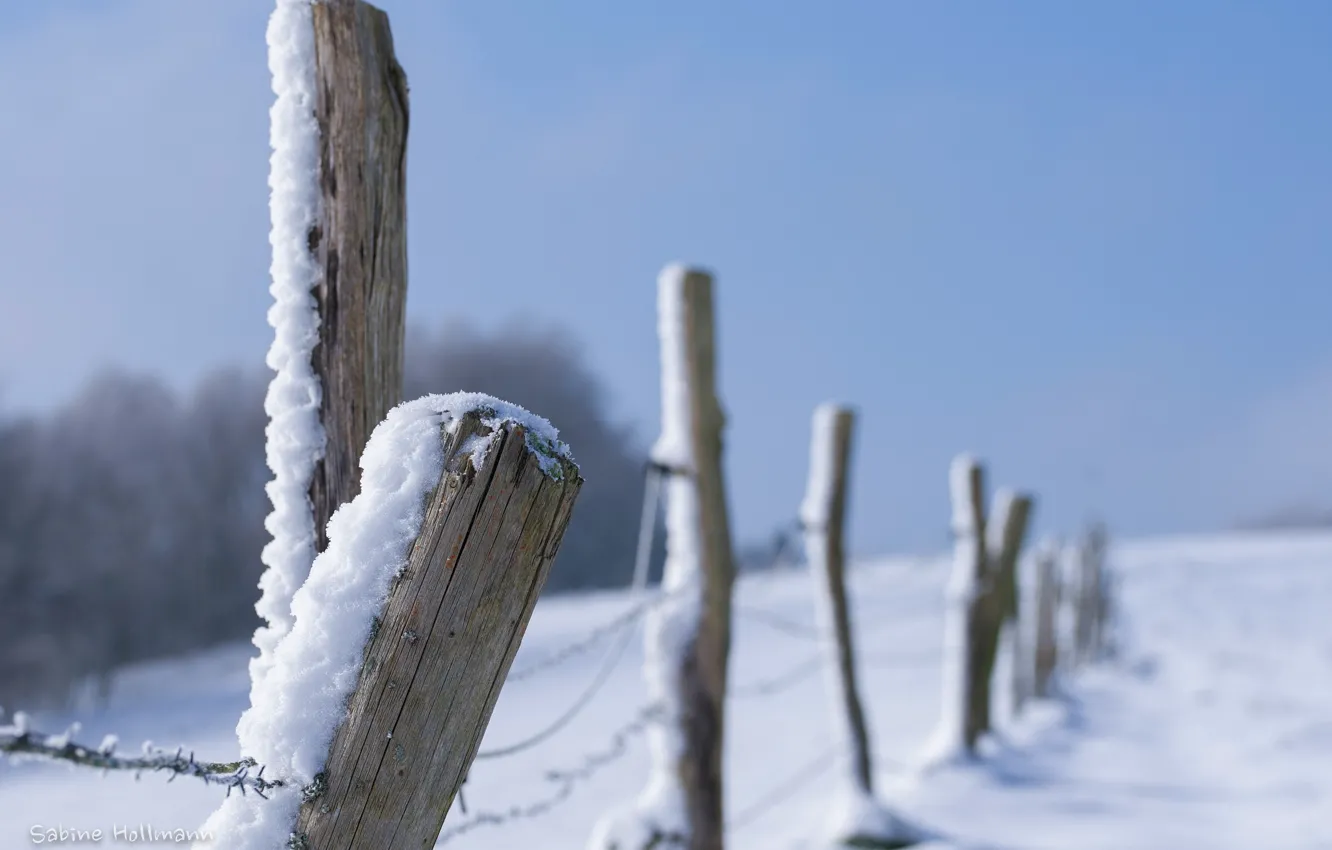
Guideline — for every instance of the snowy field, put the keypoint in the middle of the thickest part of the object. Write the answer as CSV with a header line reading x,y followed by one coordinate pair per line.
x,y
1214,731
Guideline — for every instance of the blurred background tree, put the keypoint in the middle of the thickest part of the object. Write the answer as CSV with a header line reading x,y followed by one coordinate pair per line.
x,y
131,519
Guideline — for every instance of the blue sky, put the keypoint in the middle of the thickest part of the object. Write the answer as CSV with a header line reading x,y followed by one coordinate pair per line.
x,y
1090,242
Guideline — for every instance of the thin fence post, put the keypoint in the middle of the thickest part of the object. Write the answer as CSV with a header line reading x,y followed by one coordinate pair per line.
x,y
1007,529
959,720
1096,541
1046,655
859,819
443,644
823,515
1086,600
359,241
689,629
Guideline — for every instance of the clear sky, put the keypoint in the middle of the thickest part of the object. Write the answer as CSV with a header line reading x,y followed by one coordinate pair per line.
x,y
1091,242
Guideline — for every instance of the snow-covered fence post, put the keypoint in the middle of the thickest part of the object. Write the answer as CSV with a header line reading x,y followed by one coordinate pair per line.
x,y
1101,585
377,699
689,629
823,517
859,819
1008,527
1046,656
960,714
1091,603
359,241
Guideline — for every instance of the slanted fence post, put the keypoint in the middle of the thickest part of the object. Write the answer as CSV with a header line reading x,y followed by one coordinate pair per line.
x,y
981,597
689,629
359,242
1007,529
823,516
1046,655
443,644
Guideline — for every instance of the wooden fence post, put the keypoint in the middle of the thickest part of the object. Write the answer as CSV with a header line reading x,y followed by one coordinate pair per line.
x,y
443,644
1008,527
823,516
1046,656
1020,642
968,497
360,241
689,630
1088,602
1101,587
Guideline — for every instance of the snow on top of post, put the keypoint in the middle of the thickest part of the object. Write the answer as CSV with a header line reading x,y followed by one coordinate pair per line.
x,y
822,465
294,435
959,484
673,446
295,710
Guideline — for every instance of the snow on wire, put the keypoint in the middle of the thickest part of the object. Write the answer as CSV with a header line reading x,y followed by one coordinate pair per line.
x,y
18,741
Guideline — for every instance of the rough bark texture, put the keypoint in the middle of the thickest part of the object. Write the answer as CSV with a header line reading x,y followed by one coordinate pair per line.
x,y
1047,607
360,242
1000,604
703,677
448,634
834,577
976,682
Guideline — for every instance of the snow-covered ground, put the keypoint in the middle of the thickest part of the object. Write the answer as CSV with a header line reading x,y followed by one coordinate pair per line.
x,y
1214,731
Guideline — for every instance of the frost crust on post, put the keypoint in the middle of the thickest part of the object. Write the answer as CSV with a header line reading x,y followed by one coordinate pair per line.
x,y
949,740
296,708
658,817
295,434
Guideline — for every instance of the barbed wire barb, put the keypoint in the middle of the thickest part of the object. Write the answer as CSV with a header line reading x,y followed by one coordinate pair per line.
x,y
19,741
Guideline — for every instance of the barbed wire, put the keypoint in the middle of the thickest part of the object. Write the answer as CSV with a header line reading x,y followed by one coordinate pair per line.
x,y
779,622
18,740
613,657
566,780
588,642
781,682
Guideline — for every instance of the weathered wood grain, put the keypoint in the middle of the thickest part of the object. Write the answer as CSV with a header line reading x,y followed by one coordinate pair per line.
x,y
360,242
448,635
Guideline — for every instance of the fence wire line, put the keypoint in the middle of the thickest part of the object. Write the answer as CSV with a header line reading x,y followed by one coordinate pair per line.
x,y
646,535
17,741
781,793
781,682
613,657
566,780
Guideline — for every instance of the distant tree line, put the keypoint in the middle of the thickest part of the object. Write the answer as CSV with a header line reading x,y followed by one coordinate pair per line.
x,y
132,518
